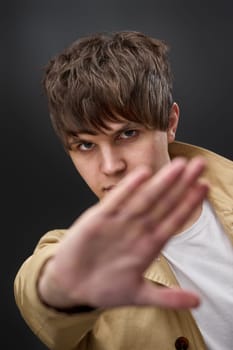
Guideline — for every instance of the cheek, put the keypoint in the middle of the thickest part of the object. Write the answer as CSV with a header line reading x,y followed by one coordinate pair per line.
x,y
155,157
141,156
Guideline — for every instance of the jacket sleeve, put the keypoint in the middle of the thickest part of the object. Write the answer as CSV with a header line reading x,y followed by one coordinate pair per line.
x,y
57,330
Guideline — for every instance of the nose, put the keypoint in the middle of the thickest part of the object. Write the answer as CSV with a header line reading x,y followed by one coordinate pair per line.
x,y
112,162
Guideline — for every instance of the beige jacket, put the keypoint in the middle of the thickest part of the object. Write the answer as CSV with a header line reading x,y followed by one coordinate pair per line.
x,y
125,328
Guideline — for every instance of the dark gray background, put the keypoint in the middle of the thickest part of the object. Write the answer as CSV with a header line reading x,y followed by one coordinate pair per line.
x,y
40,188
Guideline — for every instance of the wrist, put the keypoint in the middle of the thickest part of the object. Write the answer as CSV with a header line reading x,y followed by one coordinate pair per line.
x,y
51,295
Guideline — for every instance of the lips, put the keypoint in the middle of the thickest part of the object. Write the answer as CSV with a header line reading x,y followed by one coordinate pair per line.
x,y
108,188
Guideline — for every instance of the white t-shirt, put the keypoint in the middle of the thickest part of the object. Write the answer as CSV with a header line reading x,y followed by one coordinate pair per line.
x,y
202,260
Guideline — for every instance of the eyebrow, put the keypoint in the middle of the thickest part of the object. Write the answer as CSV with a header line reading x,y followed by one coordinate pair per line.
x,y
111,132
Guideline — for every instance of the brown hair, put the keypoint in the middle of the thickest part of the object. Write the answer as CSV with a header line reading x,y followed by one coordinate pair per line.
x,y
106,77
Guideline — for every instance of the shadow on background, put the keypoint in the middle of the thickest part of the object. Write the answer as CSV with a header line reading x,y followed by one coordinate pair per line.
x,y
41,189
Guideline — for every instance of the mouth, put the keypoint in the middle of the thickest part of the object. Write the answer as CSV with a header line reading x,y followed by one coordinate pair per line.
x,y
108,188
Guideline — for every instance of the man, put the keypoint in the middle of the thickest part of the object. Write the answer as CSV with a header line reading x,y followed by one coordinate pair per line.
x,y
112,280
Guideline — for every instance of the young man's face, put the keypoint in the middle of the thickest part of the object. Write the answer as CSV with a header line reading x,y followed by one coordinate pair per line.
x,y
103,159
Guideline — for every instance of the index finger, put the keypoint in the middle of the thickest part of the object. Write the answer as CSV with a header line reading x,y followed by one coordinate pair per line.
x,y
127,188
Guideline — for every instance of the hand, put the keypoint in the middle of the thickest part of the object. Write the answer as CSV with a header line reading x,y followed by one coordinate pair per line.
x,y
102,259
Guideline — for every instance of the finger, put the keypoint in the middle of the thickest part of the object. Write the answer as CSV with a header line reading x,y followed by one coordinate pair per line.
x,y
167,187
174,195
125,189
143,197
173,298
178,217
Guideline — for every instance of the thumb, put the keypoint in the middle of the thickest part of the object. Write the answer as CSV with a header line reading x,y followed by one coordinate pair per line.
x,y
173,298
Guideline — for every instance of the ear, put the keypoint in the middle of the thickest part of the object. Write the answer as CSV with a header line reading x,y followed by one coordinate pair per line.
x,y
173,122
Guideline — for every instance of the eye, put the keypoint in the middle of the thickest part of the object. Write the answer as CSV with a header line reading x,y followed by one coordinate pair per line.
x,y
85,146
127,134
